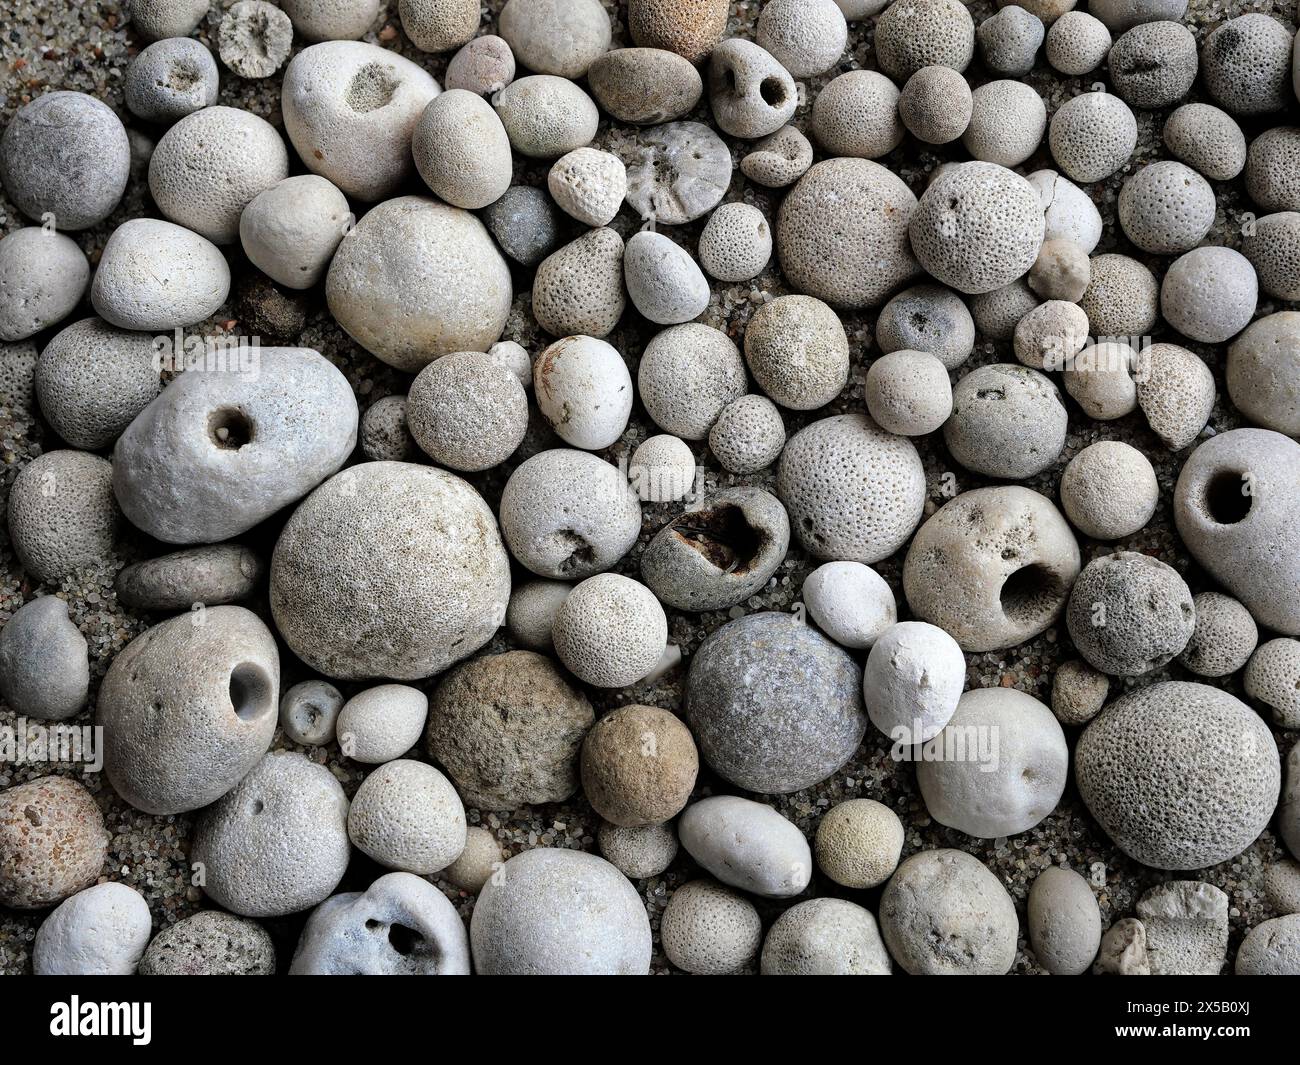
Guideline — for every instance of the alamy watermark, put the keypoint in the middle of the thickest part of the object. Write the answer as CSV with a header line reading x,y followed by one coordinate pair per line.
x,y
27,742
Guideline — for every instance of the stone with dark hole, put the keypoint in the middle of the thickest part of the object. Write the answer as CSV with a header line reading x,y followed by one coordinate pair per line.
x,y
751,94
993,567
774,705
225,447
400,926
718,552
188,708
1237,508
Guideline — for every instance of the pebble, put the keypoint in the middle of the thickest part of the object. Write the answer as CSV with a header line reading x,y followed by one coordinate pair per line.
x,y
254,38
913,681
1244,473
43,276
842,233
1263,372
221,450
1077,43
1273,679
291,230
778,160
1109,490
1122,300
1271,169
1064,922
438,264
400,926
806,36
825,937
1273,248
443,589
944,913
439,25
567,514
709,929
525,223
1180,775
662,469
927,318
277,843
907,392
747,845
720,551
1166,208
1016,788
645,86
858,843
211,164
911,34
1175,390
676,172
467,412
101,931
638,766
588,185
65,154
936,105
736,244
774,705
578,290
750,93
309,712
748,436
53,842
1123,950
44,663
156,19
689,374
526,755
406,815
531,613
1271,948
461,150
850,602
1051,335
382,723
1092,136
350,109
1246,65
1186,925
384,434
1006,123
1282,886
514,357
1061,271
562,37
545,116
560,912
856,115
798,352
977,227
1206,139
210,943
1009,41
688,27
610,632
583,389
1068,211
663,280
1007,421
478,862
1120,15
154,276
330,20
1004,587
212,575
1288,819
62,514
638,853
1078,692
485,66
821,477
1224,638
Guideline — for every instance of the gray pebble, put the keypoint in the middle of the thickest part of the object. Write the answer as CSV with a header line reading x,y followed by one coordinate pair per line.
x,y
210,943
484,66
687,376
1282,886
639,852
406,815
221,573
43,276
751,94
291,230
546,116
467,412
825,937
1009,41
526,223
927,318
478,862
531,613
1273,679
309,712
578,290
157,19
747,845
1206,139
1209,294
44,663
778,160
709,929
385,436
62,514
170,79
676,173
1007,421
1064,922
1271,948
748,436
254,38
1246,65
1186,925
382,723
663,279
101,931
645,86
1224,638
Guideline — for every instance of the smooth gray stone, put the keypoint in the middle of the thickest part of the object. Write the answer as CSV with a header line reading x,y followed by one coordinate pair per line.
x,y
220,573
44,666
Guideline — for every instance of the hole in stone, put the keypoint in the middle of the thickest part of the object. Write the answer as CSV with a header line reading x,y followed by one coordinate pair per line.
x,y
371,88
229,428
772,91
250,691
723,535
1226,500
33,815
1029,593
403,940
258,806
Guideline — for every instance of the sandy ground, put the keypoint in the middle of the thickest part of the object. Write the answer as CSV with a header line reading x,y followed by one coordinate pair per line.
x,y
49,45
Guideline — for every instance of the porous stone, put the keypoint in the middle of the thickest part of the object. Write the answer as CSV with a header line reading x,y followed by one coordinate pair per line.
x,y
44,663
806,36
825,937
560,912
254,38
589,185
1209,294
62,514
1263,372
1180,775
1273,247
416,279
1282,886
747,845
856,116
382,723
687,376
1007,421
944,912
1271,169
736,244
478,862
1009,41
1122,300
53,842
309,712
531,613
778,160
101,931
65,155
751,94
638,766
439,25
1224,638
173,741
467,412
911,34
1123,950
508,729
1078,692
578,290
1064,922
774,705
610,631
638,852
1175,390
858,843
331,20
567,514
1206,139
1271,948
1120,15
1109,490
1154,65
1166,208
748,436
1186,926
438,596
461,150
688,27
1051,335
1273,679
400,926
936,105
385,436
43,276
350,109
907,392
1092,135
854,492
1077,43
927,318
546,116
1002,587
798,352
562,37
709,929
1246,64
210,943
407,816
676,172
1006,123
